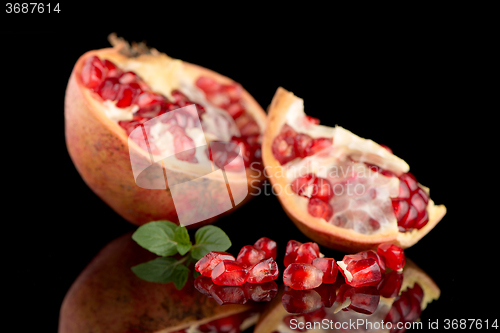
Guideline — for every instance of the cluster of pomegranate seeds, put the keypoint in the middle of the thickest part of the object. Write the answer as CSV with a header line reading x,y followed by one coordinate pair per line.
x,y
410,205
406,307
289,144
127,88
319,191
254,264
229,97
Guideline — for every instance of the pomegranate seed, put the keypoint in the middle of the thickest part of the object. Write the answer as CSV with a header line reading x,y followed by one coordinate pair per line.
x,y
229,273
233,91
410,180
360,272
183,144
302,276
386,148
207,84
268,246
127,93
218,99
109,88
422,221
261,292
394,255
404,190
92,72
302,143
111,69
322,189
329,268
229,295
417,292
247,125
306,253
312,120
400,208
301,301
318,145
302,185
206,264
374,255
148,99
320,209
418,202
264,271
235,110
249,256
390,284
409,219
291,252
129,77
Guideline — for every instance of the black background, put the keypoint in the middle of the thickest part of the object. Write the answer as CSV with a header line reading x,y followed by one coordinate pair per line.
x,y
420,88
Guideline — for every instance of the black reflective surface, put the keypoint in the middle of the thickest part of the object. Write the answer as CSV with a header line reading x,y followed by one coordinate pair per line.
x,y
402,91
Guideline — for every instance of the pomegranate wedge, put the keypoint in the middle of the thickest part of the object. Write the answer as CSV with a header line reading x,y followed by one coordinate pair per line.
x,y
342,191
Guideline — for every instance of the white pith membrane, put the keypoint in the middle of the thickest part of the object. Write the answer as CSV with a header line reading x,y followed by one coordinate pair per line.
x,y
343,267
216,123
360,193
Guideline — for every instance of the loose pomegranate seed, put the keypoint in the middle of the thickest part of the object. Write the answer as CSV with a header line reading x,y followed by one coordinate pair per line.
x,y
261,292
109,88
374,255
329,268
394,255
264,271
207,84
320,209
306,253
92,72
291,252
360,272
302,276
206,264
127,94
229,273
268,246
229,295
249,256
301,301
390,284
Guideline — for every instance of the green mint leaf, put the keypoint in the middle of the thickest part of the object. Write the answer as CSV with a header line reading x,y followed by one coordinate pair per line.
x,y
180,276
209,238
157,237
183,242
157,270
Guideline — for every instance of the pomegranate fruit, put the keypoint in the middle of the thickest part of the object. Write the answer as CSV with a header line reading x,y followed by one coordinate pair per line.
x,y
143,128
340,190
108,297
340,303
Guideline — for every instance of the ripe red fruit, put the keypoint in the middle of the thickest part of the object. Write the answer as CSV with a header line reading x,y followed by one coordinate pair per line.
x,y
329,268
268,246
249,255
302,276
206,264
264,271
394,255
359,272
229,273
306,253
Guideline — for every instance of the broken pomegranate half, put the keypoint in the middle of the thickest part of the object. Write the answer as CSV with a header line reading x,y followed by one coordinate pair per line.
x,y
342,191
145,130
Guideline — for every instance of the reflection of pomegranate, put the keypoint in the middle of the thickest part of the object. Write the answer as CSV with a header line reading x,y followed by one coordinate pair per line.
x,y
399,298
108,297
342,191
112,92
